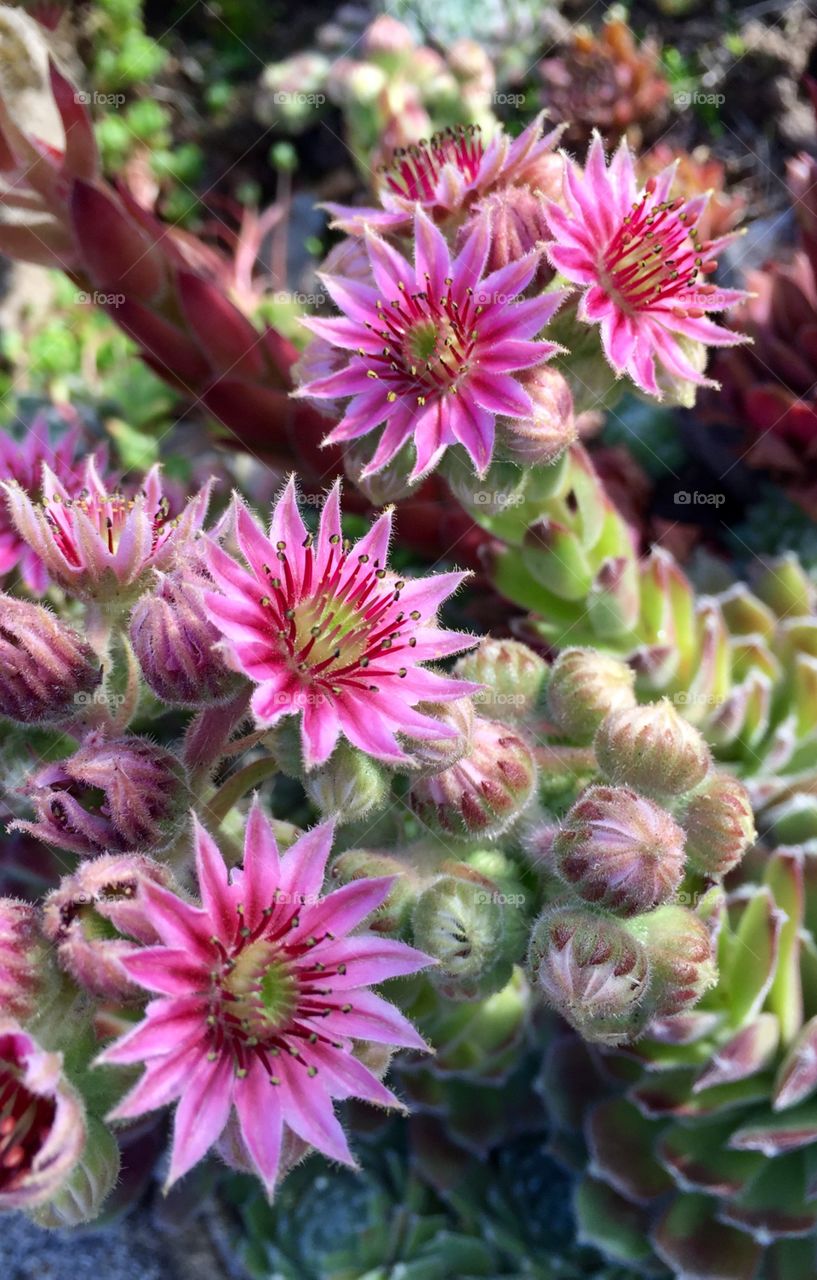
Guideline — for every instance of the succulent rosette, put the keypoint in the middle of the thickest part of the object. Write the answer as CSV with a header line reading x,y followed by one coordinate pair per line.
x,y
642,267
262,992
435,347
326,631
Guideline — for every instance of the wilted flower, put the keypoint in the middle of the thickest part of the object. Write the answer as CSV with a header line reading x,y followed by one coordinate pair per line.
x,y
99,545
327,631
643,268
47,670
261,994
434,347
117,795
448,173
42,1133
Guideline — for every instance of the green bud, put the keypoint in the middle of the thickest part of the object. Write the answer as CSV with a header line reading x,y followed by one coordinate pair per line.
x,y
682,962
513,674
81,1196
460,921
584,687
719,825
653,749
349,786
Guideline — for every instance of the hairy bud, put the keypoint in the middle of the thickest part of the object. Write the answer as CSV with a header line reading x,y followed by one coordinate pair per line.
x,y
619,850
431,755
652,748
87,1186
460,921
392,916
680,951
46,668
593,972
539,440
719,825
514,678
21,959
584,687
485,791
349,785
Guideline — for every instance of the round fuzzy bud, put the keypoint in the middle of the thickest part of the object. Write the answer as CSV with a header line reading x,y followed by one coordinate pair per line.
x,y
21,959
484,792
540,440
652,748
387,35
518,226
175,641
118,795
585,686
619,850
431,755
390,484
593,972
47,670
719,825
42,1134
680,951
96,915
392,916
349,786
514,677
460,921
89,1184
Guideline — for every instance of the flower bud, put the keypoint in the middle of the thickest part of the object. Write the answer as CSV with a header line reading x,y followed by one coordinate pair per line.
x,y
538,441
680,951
484,792
584,687
174,641
719,825
386,35
89,1184
20,959
593,972
431,755
518,226
390,483
46,668
348,786
392,916
459,920
42,1134
95,916
619,850
652,748
513,674
114,795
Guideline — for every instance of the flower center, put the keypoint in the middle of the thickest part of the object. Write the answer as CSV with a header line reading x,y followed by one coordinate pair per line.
x,y
414,170
260,990
655,257
428,342
333,627
25,1123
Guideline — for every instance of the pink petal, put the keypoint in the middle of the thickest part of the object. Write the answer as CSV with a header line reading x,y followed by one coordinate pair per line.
x,y
170,1027
304,865
500,393
367,732
367,960
431,257
370,1017
427,594
309,1111
216,895
344,908
163,1082
273,700
344,1076
262,865
179,924
320,729
166,971
389,268
201,1115
258,1104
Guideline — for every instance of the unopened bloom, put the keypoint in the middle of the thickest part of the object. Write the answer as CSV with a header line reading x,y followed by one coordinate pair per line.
x,y
327,631
47,670
115,795
642,265
261,994
100,544
42,1132
446,174
20,958
21,461
433,347
651,748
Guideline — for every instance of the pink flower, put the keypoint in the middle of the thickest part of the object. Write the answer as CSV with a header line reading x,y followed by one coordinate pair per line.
x,y
433,347
261,995
448,173
21,461
99,544
642,265
326,630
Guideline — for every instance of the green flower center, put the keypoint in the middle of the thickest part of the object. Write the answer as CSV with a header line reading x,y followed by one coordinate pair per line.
x,y
262,990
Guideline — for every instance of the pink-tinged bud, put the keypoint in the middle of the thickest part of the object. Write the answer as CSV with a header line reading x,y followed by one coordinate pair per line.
x,y
432,755
96,915
518,227
584,687
88,1185
593,972
681,956
42,1133
387,35
652,748
21,958
390,484
484,792
620,851
514,678
119,795
540,440
393,915
175,643
719,825
46,668
349,786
